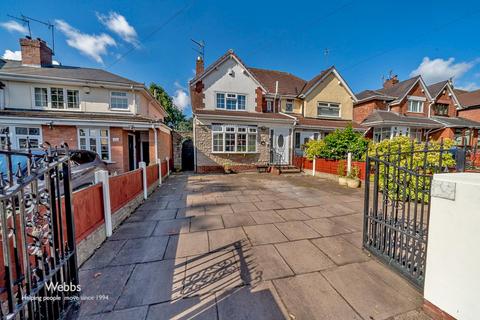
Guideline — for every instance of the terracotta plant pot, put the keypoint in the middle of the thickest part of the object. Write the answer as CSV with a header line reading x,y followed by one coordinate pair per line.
x,y
342,181
353,183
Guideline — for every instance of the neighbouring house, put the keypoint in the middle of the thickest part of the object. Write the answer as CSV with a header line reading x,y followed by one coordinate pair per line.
x,y
88,108
245,117
411,108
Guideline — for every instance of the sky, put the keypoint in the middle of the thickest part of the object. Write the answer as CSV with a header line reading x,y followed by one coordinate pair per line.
x,y
150,41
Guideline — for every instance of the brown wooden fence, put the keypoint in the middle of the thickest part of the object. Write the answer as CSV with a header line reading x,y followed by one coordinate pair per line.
x,y
327,165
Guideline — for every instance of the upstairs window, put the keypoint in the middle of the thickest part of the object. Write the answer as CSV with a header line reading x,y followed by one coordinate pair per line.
x,y
289,106
231,101
119,100
57,97
72,99
415,106
269,105
440,109
41,97
326,109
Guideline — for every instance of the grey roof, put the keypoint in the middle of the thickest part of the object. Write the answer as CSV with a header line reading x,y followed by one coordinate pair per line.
x,y
380,118
63,72
396,91
457,122
436,88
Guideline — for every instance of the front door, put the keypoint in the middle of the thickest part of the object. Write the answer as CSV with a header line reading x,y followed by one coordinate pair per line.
x,y
280,145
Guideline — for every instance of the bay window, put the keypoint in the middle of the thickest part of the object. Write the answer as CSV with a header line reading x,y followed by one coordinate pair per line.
x,y
327,109
234,139
96,140
231,101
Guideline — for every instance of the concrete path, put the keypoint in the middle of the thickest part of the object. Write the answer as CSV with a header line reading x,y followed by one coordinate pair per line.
x,y
246,246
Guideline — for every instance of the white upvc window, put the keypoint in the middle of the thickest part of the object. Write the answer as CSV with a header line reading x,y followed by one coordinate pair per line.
x,y
380,134
269,105
57,98
234,139
73,101
96,140
231,101
19,135
118,100
415,104
328,109
289,105
41,97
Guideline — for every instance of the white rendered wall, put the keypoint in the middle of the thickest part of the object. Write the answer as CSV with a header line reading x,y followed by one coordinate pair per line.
x,y
453,257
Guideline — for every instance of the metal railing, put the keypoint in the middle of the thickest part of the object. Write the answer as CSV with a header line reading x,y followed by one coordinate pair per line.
x,y
37,233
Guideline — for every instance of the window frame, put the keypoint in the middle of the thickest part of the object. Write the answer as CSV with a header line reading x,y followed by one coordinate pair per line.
x,y
119,97
15,138
230,96
98,143
223,130
419,100
324,104
269,107
49,105
287,103
35,98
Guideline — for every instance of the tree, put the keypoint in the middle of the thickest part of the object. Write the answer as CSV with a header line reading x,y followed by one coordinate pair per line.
x,y
175,118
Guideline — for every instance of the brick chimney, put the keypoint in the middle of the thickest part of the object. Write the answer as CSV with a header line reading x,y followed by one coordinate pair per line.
x,y
199,67
390,82
35,52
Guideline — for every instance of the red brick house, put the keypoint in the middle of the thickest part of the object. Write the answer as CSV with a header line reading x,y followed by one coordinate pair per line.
x,y
411,108
87,108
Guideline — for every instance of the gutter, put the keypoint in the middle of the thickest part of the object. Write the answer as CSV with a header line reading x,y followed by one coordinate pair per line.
x,y
233,118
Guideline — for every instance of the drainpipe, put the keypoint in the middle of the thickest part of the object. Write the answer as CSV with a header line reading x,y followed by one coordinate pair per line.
x,y
194,120
156,142
430,109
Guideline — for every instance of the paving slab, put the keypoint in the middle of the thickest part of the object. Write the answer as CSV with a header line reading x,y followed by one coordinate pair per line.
x,y
340,250
226,200
268,264
302,256
218,209
153,215
317,212
327,227
141,250
187,244
176,204
368,290
248,198
353,222
169,227
180,309
225,239
355,238
237,220
292,214
310,296
263,217
296,230
206,223
139,313
264,234
153,282
243,207
104,255
190,212
267,205
290,204
153,205
133,230
107,281
248,302
339,209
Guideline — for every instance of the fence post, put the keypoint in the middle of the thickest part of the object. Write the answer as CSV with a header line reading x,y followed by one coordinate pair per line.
x,y
101,176
143,166
313,166
349,162
168,166
159,162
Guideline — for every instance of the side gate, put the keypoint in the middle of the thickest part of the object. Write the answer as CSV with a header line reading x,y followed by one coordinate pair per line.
x,y
397,205
37,234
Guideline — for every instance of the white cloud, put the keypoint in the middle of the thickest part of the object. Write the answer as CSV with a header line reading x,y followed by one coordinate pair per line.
x,y
118,24
91,45
468,86
12,55
181,98
435,70
14,26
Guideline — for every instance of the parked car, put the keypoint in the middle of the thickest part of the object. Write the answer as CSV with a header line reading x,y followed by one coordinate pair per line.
x,y
84,164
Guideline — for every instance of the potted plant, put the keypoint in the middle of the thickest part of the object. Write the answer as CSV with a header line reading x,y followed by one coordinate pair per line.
x,y
352,178
342,179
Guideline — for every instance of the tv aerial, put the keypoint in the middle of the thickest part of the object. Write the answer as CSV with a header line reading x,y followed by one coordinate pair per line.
x,y
26,21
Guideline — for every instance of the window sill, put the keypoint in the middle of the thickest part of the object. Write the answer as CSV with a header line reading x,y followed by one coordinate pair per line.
x,y
418,112
224,109
109,161
121,110
218,152
328,117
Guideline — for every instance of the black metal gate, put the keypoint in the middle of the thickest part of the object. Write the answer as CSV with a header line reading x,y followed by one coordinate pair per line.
x,y
38,275
397,204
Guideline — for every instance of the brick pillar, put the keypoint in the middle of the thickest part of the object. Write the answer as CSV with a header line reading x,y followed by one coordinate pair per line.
x,y
259,99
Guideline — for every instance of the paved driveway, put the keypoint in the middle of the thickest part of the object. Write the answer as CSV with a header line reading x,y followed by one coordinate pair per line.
x,y
246,246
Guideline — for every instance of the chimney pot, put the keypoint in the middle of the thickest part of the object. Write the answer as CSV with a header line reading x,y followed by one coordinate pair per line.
x,y
35,52
199,67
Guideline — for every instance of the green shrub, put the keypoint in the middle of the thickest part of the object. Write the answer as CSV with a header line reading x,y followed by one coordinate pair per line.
x,y
398,152
341,171
337,145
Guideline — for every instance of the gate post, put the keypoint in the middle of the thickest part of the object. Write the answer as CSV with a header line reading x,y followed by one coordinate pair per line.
x,y
314,165
159,163
349,162
143,166
102,177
